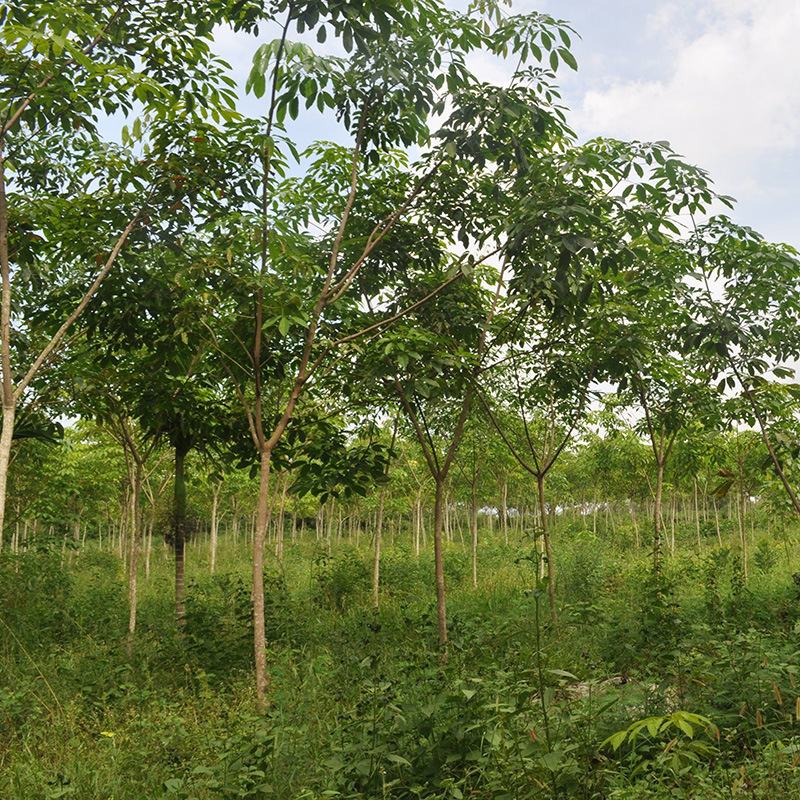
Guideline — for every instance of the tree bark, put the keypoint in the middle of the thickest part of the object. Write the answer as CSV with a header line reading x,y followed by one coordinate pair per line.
x,y
504,509
8,397
179,533
441,611
133,564
281,516
742,522
551,572
6,438
214,524
259,539
376,566
657,520
474,528
697,516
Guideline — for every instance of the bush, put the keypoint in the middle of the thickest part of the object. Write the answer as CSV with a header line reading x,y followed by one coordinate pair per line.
x,y
341,579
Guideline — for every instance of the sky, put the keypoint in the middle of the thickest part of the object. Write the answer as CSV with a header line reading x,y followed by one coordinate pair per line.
x,y
718,79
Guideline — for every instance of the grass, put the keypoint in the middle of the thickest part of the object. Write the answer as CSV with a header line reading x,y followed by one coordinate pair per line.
x,y
363,705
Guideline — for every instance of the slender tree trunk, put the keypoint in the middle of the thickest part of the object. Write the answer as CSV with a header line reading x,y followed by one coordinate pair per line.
x,y
551,572
149,548
674,509
438,555
235,523
214,524
657,519
504,509
124,524
9,400
716,521
418,523
6,436
447,512
376,566
180,534
474,529
458,527
259,539
281,517
133,564
743,525
697,517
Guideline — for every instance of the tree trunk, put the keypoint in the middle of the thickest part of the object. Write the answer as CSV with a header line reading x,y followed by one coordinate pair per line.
x,y
179,526
376,567
657,520
133,564
418,523
447,519
259,539
716,521
9,400
504,509
149,548
697,517
674,509
6,436
281,516
474,528
551,572
441,612
214,524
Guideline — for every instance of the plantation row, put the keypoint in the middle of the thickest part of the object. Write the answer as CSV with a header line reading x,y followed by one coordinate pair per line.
x,y
77,490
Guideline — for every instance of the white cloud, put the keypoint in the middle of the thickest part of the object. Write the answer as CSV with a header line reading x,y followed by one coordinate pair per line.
x,y
730,96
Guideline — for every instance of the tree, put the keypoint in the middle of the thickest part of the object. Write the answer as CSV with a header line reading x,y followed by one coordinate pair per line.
x,y
745,315
539,415
405,64
70,205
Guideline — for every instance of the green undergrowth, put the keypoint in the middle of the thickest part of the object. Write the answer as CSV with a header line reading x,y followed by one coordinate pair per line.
x,y
682,686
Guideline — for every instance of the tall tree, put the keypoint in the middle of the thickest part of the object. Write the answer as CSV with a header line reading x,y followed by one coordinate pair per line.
x,y
405,64
69,204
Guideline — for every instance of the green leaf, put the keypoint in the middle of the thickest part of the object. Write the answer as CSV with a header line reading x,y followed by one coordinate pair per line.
x,y
568,58
562,673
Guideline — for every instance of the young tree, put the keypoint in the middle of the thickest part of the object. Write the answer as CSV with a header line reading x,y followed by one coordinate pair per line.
x,y
405,64
745,316
540,409
69,204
